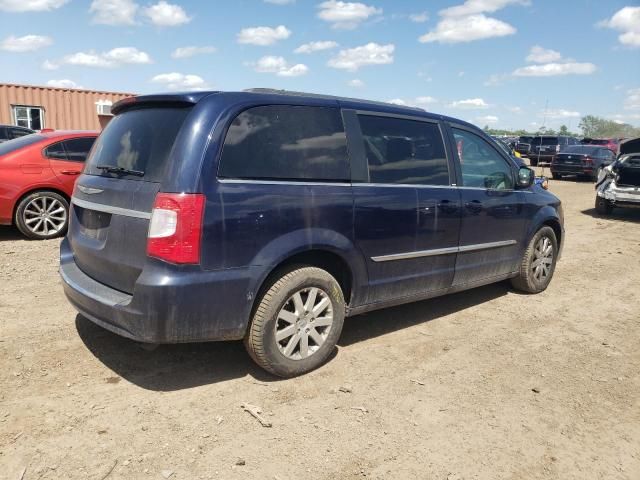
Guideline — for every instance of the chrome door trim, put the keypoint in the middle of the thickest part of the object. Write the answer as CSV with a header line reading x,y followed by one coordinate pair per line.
x,y
444,251
100,207
281,182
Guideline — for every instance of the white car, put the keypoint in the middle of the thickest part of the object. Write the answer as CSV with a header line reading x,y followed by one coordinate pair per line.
x,y
618,185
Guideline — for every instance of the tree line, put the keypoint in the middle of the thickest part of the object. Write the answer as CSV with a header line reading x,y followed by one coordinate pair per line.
x,y
591,126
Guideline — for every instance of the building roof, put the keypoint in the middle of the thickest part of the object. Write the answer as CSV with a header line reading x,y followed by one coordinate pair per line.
x,y
46,87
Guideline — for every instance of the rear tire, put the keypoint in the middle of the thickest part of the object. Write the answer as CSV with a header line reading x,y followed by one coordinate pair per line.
x,y
42,215
533,162
596,175
556,176
538,262
603,206
297,322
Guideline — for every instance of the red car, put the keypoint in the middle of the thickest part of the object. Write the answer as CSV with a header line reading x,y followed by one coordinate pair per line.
x,y
37,175
611,143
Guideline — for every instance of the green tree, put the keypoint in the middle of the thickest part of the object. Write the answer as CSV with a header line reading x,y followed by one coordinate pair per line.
x,y
563,130
598,127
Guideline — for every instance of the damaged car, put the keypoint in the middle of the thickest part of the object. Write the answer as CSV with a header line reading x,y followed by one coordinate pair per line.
x,y
618,184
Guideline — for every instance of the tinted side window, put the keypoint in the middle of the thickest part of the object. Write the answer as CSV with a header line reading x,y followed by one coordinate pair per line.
x,y
56,151
286,142
18,132
482,166
78,148
404,151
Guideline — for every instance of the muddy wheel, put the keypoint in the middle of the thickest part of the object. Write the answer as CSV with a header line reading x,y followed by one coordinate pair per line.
x,y
297,322
42,215
603,206
538,263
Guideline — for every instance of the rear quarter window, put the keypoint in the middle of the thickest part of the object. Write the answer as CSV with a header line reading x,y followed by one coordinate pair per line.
x,y
286,143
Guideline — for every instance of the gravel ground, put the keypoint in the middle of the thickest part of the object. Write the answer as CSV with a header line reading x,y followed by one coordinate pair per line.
x,y
485,384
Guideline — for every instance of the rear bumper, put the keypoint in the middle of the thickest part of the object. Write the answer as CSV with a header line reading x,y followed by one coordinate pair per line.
x,y
571,169
169,305
623,196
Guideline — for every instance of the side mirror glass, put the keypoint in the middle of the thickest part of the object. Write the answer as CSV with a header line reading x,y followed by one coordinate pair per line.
x,y
526,177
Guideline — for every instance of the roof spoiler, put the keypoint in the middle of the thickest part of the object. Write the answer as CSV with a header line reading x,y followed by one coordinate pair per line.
x,y
176,100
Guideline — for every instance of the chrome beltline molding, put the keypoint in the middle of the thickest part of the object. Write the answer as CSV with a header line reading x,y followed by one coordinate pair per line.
x,y
100,207
444,251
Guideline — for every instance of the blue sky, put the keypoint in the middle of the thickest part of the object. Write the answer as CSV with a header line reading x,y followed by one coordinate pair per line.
x,y
506,63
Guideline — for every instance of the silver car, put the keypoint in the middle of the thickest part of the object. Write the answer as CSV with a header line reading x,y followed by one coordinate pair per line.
x,y
618,185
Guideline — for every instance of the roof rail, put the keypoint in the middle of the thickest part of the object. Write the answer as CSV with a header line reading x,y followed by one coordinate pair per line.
x,y
275,91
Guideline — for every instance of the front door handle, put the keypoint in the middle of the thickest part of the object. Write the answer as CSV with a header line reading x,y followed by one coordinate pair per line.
x,y
474,206
70,172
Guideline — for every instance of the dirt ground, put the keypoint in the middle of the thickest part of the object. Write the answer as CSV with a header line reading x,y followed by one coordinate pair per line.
x,y
485,384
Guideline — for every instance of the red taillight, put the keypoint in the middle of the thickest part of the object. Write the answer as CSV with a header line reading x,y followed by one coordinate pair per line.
x,y
175,228
587,161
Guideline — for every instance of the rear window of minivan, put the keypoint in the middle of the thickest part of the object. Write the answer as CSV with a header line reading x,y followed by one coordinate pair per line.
x,y
284,142
139,140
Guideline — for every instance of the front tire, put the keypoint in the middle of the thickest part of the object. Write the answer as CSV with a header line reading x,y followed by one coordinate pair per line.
x,y
538,263
42,215
603,206
297,322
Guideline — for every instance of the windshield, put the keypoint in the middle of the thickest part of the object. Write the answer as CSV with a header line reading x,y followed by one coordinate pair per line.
x,y
17,143
545,141
581,149
138,141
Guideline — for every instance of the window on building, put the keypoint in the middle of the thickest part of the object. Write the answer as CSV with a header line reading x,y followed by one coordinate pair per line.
x,y
288,143
404,151
28,117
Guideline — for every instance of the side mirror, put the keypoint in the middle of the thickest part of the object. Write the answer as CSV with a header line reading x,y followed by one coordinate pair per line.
x,y
526,177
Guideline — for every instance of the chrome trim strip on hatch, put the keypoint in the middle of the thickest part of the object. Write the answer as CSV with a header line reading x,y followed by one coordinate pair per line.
x,y
444,251
100,207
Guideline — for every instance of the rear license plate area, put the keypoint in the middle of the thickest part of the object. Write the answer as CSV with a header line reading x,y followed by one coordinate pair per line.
x,y
92,222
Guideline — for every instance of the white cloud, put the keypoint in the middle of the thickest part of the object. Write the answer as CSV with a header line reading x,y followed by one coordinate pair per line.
x,y
356,83
280,2
64,83
538,54
470,103
468,22
487,119
467,29
30,5
627,21
370,54
632,102
165,14
346,15
27,43
279,66
180,81
555,69
263,36
515,109
186,52
116,57
414,102
419,17
473,7
316,46
49,65
559,113
113,12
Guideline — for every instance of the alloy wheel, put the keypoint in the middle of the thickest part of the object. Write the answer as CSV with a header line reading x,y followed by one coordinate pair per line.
x,y
542,259
45,216
303,323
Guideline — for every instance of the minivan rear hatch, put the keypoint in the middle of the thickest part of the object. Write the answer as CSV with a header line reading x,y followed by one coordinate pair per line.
x,y
113,199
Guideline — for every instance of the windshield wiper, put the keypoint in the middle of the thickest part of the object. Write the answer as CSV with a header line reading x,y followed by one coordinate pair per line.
x,y
121,170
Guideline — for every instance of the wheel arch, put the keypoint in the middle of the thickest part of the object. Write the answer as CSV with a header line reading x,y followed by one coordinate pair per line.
x,y
36,190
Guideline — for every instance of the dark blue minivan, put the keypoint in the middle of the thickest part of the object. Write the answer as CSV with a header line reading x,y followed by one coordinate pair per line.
x,y
270,216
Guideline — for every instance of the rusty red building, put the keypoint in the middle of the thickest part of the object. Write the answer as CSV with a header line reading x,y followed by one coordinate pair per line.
x,y
39,107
